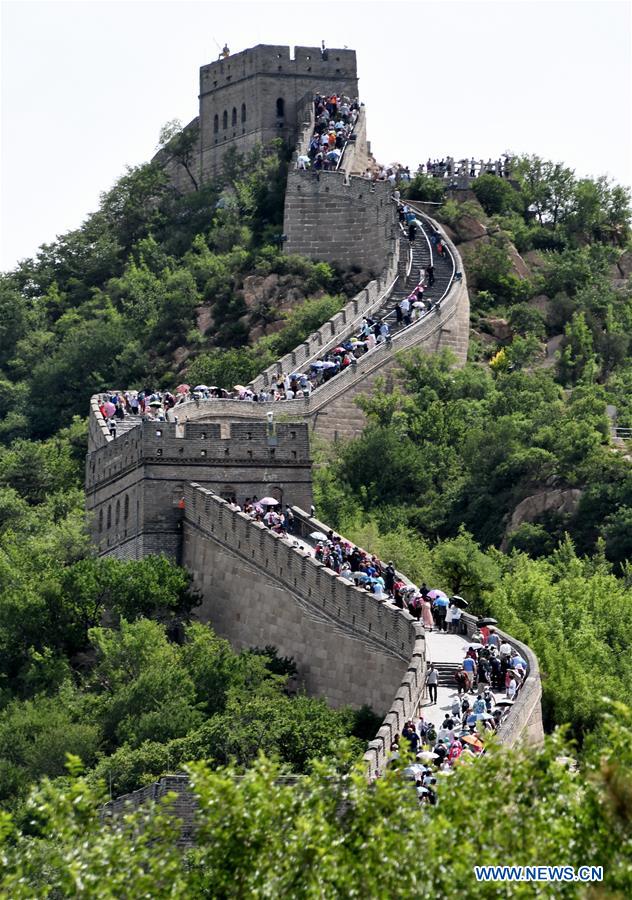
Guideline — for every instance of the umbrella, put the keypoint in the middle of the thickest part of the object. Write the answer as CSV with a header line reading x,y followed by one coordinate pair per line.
x,y
155,403
473,741
239,387
476,646
182,388
435,593
318,536
427,755
459,601
414,770
200,387
269,501
317,365
486,717
482,623
110,409
518,661
504,702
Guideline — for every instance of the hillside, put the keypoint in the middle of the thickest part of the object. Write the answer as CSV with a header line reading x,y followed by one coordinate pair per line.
x,y
498,479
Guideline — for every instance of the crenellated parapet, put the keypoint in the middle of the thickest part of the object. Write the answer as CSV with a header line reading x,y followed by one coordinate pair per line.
x,y
135,483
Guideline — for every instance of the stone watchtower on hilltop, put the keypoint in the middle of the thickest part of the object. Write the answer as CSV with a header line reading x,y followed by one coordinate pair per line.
x,y
258,95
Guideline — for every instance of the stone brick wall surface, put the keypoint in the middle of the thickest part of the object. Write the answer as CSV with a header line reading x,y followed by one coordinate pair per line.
x,y
163,487
346,221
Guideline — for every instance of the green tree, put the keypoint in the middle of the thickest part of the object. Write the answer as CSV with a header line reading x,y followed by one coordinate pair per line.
x,y
495,195
181,145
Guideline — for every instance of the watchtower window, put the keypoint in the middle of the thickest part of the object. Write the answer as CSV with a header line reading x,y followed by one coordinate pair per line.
x,y
215,123
225,120
280,107
243,112
126,508
234,117
117,516
109,522
100,520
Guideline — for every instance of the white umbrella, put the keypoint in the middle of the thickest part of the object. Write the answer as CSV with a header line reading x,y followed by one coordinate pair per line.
x,y
269,501
427,754
318,536
414,770
201,387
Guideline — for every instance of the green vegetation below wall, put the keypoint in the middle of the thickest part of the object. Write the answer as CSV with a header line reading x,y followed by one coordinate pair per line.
x,y
156,285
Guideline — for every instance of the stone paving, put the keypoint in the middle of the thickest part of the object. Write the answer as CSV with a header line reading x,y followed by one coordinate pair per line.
x,y
445,648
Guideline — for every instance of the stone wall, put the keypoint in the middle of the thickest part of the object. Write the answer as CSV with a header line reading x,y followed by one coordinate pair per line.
x,y
331,410
238,101
259,589
135,483
347,221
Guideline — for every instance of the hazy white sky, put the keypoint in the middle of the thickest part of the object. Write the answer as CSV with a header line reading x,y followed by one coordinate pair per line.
x,y
86,86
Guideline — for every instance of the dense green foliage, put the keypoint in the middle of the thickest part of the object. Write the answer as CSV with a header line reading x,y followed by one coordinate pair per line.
x,y
115,303
99,658
334,836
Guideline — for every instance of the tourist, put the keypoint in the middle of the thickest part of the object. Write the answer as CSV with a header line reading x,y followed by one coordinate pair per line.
x,y
432,681
471,670
426,613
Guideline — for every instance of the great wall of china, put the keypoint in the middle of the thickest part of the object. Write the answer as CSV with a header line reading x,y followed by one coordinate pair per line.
x,y
259,588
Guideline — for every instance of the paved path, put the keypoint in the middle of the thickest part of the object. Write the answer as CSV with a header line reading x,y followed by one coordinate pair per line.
x,y
446,648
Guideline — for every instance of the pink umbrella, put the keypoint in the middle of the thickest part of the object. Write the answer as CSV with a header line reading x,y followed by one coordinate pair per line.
x,y
182,388
109,408
435,592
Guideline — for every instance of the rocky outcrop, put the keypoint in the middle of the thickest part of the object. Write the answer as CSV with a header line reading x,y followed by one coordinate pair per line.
x,y
498,328
531,508
468,228
518,265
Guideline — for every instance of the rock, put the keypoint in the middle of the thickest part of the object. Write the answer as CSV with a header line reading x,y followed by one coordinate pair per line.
x,y
259,289
531,508
205,319
500,329
467,228
542,303
180,355
259,331
518,265
553,345
624,264
535,260
449,233
484,337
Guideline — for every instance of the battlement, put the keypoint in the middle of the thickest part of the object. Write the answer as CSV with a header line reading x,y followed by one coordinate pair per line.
x,y
279,61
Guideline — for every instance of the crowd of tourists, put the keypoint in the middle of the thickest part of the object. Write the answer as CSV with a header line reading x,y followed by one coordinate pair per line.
x,y
448,166
160,406
334,120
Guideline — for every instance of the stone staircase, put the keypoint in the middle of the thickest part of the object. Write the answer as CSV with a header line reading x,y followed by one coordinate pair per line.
x,y
423,254
446,672
126,424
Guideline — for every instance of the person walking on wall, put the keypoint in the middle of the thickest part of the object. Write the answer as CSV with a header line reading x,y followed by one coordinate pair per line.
x,y
432,681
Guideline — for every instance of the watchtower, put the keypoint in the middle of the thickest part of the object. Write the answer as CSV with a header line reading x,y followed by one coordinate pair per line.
x,y
135,483
257,95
